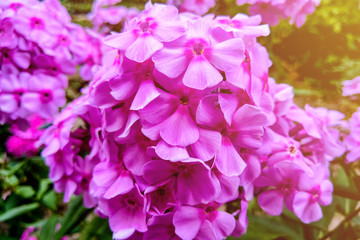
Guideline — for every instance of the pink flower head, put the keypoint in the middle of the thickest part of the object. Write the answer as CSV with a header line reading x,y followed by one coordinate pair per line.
x,y
203,222
126,213
145,35
198,57
313,192
282,180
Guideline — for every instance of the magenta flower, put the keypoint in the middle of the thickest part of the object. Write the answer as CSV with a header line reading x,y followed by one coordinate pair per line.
x,y
198,57
145,35
126,213
161,225
283,180
203,222
313,192
193,182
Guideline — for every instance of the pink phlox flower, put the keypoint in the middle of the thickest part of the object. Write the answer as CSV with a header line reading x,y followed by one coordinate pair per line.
x,y
287,149
172,117
160,198
313,192
203,222
44,95
145,35
239,127
199,57
126,213
136,80
193,182
110,179
36,24
161,225
282,181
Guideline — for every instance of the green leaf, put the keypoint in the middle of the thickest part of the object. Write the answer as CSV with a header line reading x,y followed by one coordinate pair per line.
x,y
269,227
76,213
48,230
25,191
43,187
12,181
17,211
96,227
49,200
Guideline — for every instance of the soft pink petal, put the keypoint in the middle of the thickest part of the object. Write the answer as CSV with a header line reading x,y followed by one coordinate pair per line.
x,y
200,74
134,158
8,103
195,185
247,117
187,222
326,189
100,96
223,224
123,87
228,104
180,129
206,231
143,48
167,31
168,152
228,160
305,209
208,144
123,184
171,61
228,54
158,171
271,201
120,41
146,93
209,113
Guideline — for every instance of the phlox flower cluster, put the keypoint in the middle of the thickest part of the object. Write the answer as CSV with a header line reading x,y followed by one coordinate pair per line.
x,y
272,11
352,140
105,15
39,47
181,122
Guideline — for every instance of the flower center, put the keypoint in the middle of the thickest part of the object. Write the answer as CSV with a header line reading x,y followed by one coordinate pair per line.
x,y
36,23
292,150
198,49
144,26
184,100
46,96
